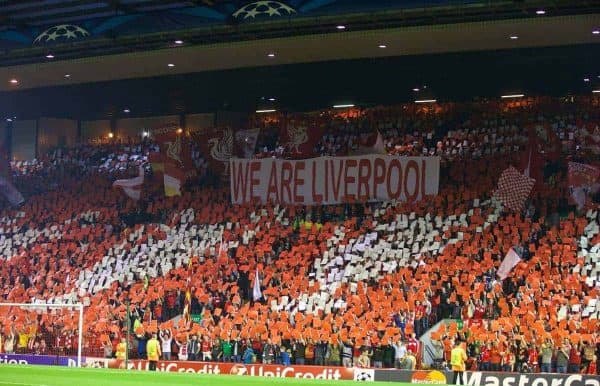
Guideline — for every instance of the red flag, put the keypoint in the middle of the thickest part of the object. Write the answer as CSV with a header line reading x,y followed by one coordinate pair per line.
x,y
543,145
174,146
301,137
164,134
174,162
217,147
532,163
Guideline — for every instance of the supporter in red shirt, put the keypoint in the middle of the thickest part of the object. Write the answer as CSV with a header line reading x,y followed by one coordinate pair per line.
x,y
485,364
217,302
257,347
413,344
60,343
205,349
356,352
419,314
448,345
508,360
533,357
574,359
495,358
66,343
479,312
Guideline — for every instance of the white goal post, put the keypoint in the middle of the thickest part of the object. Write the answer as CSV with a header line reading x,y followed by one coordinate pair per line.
x,y
49,306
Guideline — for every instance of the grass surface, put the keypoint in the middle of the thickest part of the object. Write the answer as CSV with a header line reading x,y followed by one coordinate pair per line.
x,y
15,375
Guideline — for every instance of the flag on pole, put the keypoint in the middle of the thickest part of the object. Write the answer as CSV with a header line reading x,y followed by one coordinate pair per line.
x,y
222,247
7,189
372,145
173,180
12,194
513,188
256,292
157,163
132,186
174,161
584,181
512,258
187,303
591,139
245,142
217,146
527,171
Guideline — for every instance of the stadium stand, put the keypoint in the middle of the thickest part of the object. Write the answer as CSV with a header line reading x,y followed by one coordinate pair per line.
x,y
338,284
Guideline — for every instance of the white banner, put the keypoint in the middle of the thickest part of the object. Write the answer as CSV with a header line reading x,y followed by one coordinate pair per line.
x,y
333,180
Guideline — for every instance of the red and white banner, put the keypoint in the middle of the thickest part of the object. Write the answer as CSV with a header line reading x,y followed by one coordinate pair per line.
x,y
239,369
256,292
333,180
584,180
132,186
511,259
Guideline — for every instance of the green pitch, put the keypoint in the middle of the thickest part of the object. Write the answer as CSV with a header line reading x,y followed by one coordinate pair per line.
x,y
64,376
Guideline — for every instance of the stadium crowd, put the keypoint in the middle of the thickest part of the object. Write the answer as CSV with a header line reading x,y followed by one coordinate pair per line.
x,y
353,284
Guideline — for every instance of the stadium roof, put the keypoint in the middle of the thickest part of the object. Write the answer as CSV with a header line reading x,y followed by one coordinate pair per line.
x,y
303,87
225,64
30,30
474,36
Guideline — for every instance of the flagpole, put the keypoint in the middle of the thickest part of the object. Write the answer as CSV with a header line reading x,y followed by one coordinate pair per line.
x,y
220,245
528,169
187,302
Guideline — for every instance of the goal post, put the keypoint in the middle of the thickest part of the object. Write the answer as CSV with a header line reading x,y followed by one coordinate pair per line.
x,y
7,318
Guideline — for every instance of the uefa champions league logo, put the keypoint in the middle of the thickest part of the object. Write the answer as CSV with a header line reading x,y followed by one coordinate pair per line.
x,y
60,33
263,8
